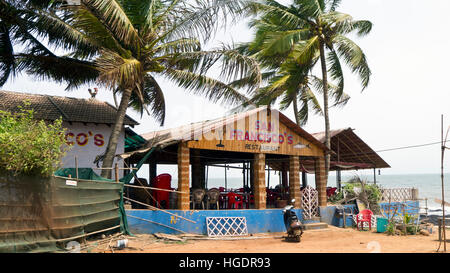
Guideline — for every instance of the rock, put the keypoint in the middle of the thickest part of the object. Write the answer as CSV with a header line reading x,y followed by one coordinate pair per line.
x,y
424,232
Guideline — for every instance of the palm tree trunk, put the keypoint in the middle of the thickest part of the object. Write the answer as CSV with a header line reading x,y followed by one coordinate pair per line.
x,y
115,133
294,102
325,106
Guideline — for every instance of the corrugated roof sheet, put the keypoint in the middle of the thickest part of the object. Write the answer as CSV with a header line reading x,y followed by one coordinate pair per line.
x,y
351,149
48,107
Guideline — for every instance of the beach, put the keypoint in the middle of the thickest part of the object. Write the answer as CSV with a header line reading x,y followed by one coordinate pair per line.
x,y
329,240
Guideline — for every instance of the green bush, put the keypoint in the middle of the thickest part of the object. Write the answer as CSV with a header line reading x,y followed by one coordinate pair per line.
x,y
369,194
29,146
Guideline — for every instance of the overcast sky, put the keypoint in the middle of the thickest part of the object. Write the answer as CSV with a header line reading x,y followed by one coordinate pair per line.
x,y
408,53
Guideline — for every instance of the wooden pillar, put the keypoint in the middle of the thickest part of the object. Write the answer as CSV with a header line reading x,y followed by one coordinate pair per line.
x,y
321,180
252,176
294,180
152,171
198,171
284,179
183,176
258,170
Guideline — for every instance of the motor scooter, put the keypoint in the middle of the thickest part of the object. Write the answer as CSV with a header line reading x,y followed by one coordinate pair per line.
x,y
294,227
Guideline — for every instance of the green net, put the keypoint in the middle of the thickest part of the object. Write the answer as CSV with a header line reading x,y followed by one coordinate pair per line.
x,y
83,173
44,214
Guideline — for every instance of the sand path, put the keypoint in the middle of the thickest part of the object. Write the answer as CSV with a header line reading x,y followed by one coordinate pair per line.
x,y
330,240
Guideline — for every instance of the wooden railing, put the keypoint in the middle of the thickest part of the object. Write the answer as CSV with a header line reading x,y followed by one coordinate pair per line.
x,y
399,194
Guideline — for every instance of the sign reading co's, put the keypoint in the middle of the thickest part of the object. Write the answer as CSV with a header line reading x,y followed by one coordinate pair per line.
x,y
83,139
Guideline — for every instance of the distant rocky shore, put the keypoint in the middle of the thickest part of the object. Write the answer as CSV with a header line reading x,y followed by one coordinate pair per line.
x,y
433,219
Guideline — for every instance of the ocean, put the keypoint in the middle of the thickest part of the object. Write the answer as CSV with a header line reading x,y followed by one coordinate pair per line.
x,y
429,185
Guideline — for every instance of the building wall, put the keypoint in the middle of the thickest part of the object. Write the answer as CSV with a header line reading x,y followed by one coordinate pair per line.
x,y
258,221
87,141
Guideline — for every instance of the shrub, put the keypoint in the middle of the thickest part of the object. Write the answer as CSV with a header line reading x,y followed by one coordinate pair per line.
x,y
356,188
29,146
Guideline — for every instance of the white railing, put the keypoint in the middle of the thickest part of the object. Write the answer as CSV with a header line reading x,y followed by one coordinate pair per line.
x,y
310,202
399,194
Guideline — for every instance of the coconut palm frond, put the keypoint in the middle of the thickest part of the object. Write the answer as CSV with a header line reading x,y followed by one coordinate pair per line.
x,y
207,87
335,72
178,46
312,8
60,69
7,59
305,51
59,33
152,100
282,42
114,17
116,71
354,57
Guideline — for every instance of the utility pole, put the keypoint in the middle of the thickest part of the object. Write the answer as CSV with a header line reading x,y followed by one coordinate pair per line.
x,y
442,180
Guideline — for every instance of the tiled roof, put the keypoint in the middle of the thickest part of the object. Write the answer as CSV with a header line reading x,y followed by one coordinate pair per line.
x,y
48,107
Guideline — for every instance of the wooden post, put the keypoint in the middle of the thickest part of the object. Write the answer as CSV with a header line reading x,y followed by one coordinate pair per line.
x,y
259,185
198,171
116,172
152,168
76,167
294,180
183,176
284,179
321,180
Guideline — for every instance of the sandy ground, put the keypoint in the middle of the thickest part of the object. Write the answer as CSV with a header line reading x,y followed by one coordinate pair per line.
x,y
329,240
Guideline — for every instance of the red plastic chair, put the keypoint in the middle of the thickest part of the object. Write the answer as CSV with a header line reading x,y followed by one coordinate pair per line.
x,y
235,201
270,197
162,181
364,216
249,200
331,191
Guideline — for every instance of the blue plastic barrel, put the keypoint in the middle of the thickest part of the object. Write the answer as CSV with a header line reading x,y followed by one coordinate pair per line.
x,y
381,224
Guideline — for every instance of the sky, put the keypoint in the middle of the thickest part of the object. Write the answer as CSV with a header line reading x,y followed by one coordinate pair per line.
x,y
408,54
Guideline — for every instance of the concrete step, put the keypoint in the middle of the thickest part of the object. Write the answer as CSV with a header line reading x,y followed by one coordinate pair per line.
x,y
315,226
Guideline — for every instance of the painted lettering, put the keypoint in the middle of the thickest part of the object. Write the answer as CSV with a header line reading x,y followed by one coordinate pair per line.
x,y
82,139
69,135
98,140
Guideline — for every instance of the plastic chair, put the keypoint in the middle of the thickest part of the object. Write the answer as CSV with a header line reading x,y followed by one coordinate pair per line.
x,y
271,197
364,216
161,181
213,198
235,201
197,197
250,199
331,191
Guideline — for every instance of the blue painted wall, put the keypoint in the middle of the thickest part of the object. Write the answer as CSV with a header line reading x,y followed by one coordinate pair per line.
x,y
258,221
269,220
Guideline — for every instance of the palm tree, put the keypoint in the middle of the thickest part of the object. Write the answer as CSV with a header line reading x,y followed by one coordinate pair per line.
x,y
311,29
125,45
286,78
